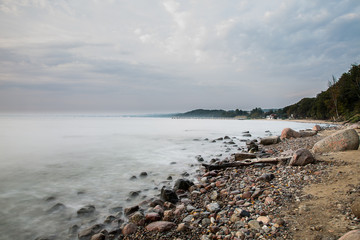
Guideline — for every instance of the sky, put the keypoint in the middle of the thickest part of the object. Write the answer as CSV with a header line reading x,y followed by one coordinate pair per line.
x,y
160,56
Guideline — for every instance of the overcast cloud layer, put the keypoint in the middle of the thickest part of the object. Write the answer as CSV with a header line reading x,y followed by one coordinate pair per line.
x,y
167,55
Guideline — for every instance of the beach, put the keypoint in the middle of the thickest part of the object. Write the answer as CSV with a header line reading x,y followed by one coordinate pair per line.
x,y
259,201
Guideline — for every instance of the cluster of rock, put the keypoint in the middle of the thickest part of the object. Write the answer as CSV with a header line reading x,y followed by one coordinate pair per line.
x,y
230,203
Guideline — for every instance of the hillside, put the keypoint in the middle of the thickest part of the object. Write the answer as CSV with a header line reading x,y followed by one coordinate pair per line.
x,y
340,102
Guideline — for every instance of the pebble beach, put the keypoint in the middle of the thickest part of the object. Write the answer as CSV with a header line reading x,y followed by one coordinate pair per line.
x,y
256,201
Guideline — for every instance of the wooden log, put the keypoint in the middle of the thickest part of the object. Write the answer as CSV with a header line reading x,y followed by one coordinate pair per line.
x,y
246,162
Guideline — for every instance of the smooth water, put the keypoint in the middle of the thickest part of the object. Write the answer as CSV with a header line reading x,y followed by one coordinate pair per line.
x,y
81,160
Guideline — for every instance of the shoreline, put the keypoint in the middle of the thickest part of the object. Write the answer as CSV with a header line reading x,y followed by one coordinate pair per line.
x,y
234,203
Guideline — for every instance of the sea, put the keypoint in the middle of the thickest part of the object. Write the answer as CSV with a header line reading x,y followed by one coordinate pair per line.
x,y
51,165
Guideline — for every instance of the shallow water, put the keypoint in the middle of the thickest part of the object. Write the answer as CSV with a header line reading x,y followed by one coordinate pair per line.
x,y
80,160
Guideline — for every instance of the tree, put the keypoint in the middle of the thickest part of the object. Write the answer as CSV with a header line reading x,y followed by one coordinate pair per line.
x,y
334,91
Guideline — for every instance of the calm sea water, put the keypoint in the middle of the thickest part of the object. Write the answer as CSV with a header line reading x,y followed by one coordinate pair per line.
x,y
81,160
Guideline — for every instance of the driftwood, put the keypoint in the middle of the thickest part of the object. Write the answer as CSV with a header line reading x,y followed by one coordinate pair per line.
x,y
246,162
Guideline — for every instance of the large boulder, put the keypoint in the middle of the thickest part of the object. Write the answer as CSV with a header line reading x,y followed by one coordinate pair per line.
x,y
317,128
302,157
289,133
342,140
352,235
270,140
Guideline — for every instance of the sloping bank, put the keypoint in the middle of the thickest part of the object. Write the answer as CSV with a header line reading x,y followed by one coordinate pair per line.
x,y
265,194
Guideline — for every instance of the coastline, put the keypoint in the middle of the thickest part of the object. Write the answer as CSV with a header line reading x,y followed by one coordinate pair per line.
x,y
236,203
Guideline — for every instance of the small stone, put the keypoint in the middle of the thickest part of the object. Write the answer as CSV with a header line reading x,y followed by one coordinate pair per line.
x,y
160,226
213,207
355,208
98,236
143,174
152,217
182,227
263,219
213,195
188,218
253,224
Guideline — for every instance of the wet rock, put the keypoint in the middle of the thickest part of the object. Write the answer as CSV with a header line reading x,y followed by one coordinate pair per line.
x,y
130,210
143,174
168,195
352,235
342,140
56,208
116,209
137,218
133,178
157,202
199,158
129,228
160,226
86,211
252,145
183,184
270,140
289,133
86,234
134,194
302,157
152,217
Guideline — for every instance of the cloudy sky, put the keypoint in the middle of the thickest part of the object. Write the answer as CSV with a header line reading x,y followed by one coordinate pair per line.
x,y
166,55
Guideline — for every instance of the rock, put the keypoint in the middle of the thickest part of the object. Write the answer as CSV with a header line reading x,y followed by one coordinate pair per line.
x,y
307,133
131,210
242,156
182,227
168,215
183,184
267,177
134,194
199,158
270,140
152,217
56,208
168,195
133,178
143,174
86,234
265,220
289,133
188,218
316,128
254,224
180,209
352,235
86,210
214,195
129,228
355,126
98,236
302,157
137,218
342,140
252,145
160,226
213,207
355,208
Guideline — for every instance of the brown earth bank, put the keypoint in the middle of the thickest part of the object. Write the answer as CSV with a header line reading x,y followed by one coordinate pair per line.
x,y
260,200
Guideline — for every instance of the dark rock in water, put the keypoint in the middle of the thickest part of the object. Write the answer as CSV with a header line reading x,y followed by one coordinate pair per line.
x,y
134,194
172,163
252,145
86,234
143,174
116,209
213,141
109,219
220,139
226,137
246,132
266,177
183,184
51,198
246,135
131,210
168,195
86,211
73,229
133,178
46,238
199,158
56,208
185,174
169,178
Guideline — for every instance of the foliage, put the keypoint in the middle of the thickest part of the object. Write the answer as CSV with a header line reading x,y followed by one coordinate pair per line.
x,y
340,101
